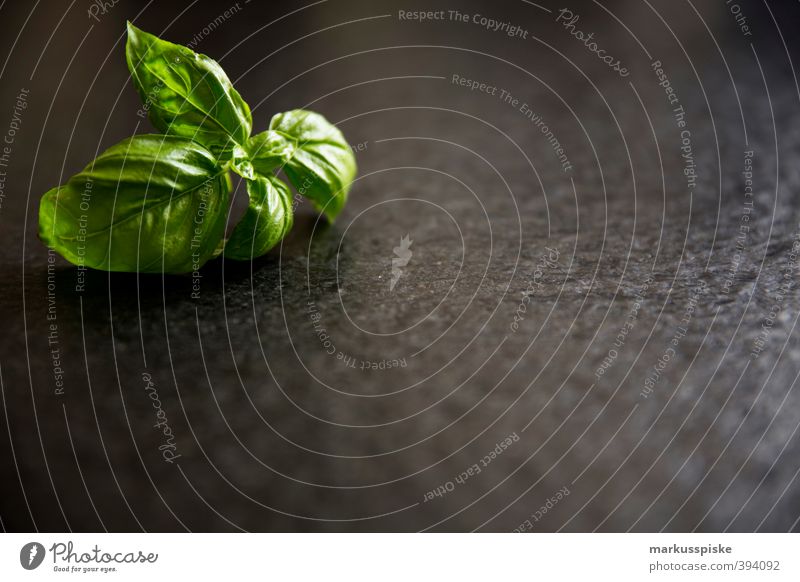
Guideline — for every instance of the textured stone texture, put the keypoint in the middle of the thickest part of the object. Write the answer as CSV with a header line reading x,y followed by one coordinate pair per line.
x,y
274,433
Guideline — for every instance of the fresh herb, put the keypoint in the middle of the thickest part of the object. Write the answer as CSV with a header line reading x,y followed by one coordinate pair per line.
x,y
159,203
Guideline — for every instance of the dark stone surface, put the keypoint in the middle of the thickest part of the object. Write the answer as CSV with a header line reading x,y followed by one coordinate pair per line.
x,y
274,433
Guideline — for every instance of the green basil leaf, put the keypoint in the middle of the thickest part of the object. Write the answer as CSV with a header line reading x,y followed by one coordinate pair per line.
x,y
187,94
267,220
242,164
269,151
263,154
322,166
150,204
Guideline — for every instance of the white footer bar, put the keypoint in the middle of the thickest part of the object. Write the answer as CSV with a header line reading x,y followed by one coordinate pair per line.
x,y
399,557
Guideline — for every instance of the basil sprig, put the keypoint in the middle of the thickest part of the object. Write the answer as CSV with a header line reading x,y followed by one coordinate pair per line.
x,y
159,203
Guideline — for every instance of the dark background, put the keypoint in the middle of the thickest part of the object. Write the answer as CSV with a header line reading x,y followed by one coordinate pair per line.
x,y
273,433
